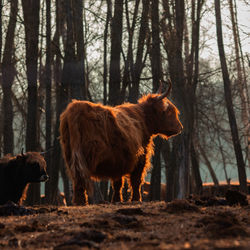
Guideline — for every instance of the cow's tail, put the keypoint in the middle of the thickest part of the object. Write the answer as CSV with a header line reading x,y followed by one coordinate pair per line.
x,y
79,165
70,140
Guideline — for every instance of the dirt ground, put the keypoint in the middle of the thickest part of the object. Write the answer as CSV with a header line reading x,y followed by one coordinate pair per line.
x,y
181,224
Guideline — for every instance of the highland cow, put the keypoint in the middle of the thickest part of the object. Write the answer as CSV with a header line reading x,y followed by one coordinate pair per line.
x,y
102,142
16,172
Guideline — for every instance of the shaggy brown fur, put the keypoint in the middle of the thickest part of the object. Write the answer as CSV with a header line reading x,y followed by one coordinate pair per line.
x,y
103,142
16,172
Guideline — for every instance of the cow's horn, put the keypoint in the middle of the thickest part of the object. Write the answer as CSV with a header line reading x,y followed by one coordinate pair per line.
x,y
160,88
45,152
22,152
166,93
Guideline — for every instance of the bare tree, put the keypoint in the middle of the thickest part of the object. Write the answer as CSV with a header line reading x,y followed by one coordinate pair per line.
x,y
1,43
48,87
116,48
128,67
105,38
196,170
1,31
228,99
192,72
62,89
156,65
173,27
241,80
8,75
31,11
78,86
104,184
135,61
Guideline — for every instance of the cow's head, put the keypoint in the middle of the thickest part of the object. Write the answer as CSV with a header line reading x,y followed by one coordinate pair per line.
x,y
35,167
162,116
168,115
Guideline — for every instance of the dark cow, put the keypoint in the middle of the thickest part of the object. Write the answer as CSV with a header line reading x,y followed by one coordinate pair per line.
x,y
103,142
16,172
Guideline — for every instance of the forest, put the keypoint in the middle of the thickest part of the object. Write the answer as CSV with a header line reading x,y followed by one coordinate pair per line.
x,y
115,51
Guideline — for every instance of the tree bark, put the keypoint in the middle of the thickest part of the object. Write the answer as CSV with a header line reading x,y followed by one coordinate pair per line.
x,y
31,10
116,48
196,170
48,94
170,164
66,185
105,38
1,31
79,88
1,43
62,91
8,75
155,182
228,99
193,75
156,65
221,147
173,42
240,81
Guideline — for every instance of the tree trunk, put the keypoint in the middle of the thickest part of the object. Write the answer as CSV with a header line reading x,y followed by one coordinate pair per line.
x,y
8,75
221,148
196,170
1,43
116,48
240,81
229,104
62,93
48,94
209,166
170,164
139,62
1,31
155,182
223,160
192,65
129,61
79,88
156,64
52,169
173,42
105,70
155,54
31,11
66,185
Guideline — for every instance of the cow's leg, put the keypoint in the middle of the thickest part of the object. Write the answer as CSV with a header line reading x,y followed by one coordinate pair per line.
x,y
80,196
136,180
117,190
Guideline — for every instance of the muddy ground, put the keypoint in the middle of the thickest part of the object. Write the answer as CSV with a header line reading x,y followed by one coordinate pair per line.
x,y
184,224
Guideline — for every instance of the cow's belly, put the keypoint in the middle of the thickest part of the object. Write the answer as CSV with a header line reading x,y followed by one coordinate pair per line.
x,y
110,161
109,170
